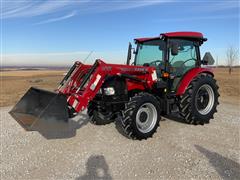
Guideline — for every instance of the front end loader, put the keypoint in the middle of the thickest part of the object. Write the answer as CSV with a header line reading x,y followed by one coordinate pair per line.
x,y
165,77
41,109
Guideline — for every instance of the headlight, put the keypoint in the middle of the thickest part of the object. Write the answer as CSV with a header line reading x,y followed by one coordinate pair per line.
x,y
109,91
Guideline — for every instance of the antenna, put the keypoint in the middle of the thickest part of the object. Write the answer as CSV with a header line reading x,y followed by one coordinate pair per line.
x,y
87,56
217,62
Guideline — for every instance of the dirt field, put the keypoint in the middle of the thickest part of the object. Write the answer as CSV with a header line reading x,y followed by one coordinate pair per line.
x,y
176,151
229,85
15,83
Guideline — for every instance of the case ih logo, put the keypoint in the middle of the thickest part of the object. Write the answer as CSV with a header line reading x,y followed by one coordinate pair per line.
x,y
133,69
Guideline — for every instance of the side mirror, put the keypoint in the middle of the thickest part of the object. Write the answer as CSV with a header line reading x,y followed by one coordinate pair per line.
x,y
129,56
174,49
208,59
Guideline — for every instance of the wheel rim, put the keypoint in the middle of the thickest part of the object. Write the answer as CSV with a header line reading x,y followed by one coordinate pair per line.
x,y
146,117
204,99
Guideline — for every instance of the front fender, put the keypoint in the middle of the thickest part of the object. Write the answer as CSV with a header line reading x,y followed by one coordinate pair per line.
x,y
189,76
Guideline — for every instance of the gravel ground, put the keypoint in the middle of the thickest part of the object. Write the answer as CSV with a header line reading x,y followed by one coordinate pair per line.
x,y
177,151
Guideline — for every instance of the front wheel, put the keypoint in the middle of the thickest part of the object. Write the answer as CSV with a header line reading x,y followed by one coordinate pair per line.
x,y
99,117
141,116
199,102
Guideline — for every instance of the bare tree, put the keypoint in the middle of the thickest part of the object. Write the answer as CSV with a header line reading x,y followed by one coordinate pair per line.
x,y
232,56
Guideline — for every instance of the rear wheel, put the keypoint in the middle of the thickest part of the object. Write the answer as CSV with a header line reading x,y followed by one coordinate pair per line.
x,y
199,102
141,116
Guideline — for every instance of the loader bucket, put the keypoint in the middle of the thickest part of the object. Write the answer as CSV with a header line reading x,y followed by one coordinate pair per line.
x,y
41,110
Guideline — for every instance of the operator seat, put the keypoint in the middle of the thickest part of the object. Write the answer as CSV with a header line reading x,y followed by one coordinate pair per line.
x,y
179,67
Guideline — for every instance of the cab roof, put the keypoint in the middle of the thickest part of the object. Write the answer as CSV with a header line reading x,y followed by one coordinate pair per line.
x,y
181,34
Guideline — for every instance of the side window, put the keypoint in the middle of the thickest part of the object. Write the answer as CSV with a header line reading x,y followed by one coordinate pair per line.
x,y
185,59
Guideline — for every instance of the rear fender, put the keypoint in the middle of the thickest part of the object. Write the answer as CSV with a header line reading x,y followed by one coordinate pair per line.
x,y
189,76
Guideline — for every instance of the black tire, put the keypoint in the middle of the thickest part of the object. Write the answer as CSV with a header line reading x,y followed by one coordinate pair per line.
x,y
129,122
189,101
97,117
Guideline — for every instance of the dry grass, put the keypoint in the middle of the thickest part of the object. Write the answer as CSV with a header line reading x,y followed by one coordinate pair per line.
x,y
229,85
32,73
15,83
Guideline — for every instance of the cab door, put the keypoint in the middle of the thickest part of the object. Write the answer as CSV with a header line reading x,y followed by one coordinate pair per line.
x,y
185,59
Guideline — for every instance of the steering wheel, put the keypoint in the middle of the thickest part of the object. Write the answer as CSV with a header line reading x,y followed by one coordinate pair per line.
x,y
180,68
187,61
155,62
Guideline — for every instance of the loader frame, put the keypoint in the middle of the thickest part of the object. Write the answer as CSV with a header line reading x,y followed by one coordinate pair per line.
x,y
83,82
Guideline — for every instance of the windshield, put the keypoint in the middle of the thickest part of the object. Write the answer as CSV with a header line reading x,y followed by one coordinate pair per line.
x,y
150,53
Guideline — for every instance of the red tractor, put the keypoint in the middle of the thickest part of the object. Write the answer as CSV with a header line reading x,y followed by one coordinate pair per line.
x,y
165,77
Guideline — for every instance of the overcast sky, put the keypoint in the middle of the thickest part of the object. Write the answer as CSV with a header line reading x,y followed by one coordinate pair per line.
x,y
59,32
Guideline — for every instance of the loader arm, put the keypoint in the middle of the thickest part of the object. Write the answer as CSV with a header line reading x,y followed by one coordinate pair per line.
x,y
84,85
84,81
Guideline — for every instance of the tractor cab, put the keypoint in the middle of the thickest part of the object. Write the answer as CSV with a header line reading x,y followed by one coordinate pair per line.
x,y
173,54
